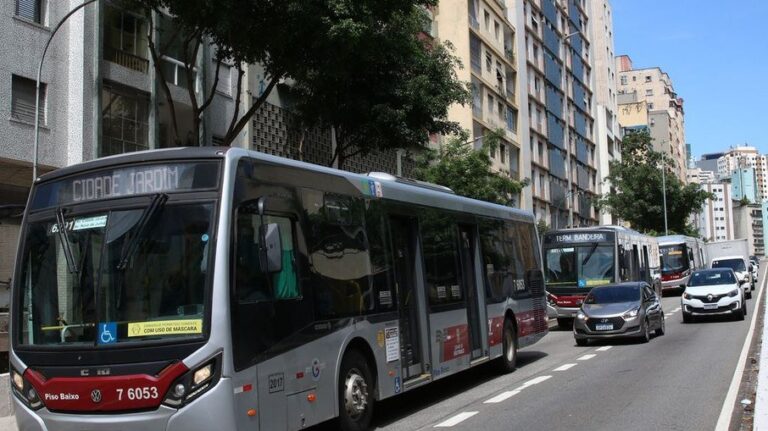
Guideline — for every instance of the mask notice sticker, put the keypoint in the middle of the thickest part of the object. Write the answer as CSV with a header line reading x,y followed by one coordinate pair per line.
x,y
165,327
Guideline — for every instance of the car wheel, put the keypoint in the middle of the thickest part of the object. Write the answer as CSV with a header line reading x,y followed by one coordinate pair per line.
x,y
687,317
739,314
744,308
748,295
661,329
508,360
582,341
355,393
646,332
564,322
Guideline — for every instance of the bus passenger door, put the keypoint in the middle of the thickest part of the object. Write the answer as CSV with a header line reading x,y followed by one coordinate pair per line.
x,y
468,248
404,244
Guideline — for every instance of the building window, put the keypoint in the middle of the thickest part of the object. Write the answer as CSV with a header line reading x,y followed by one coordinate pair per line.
x,y
503,153
647,78
488,61
512,119
23,100
487,18
125,39
496,28
224,85
124,120
650,107
649,92
30,9
623,80
490,103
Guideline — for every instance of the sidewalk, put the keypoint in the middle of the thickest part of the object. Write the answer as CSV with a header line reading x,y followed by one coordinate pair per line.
x,y
760,420
8,423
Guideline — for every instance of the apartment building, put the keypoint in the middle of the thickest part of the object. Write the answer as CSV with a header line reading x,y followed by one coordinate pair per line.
x,y
484,39
607,132
556,67
748,223
708,162
744,184
700,176
715,221
745,157
666,117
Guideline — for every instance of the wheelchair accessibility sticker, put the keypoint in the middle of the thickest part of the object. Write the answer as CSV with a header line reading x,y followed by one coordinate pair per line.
x,y
108,333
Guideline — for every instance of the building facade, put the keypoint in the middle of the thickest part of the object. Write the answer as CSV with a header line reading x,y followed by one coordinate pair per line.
x,y
745,157
555,65
744,185
666,117
607,131
748,223
715,221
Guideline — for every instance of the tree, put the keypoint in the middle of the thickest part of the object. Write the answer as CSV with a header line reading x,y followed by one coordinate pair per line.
x,y
358,66
637,192
542,227
467,171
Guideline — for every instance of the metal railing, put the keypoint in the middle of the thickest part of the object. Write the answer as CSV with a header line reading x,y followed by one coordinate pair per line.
x,y
126,59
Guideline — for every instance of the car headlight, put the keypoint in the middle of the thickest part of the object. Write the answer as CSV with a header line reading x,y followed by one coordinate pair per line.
x,y
631,314
581,316
687,295
734,292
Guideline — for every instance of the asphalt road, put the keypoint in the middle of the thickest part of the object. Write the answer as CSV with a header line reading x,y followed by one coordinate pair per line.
x,y
677,381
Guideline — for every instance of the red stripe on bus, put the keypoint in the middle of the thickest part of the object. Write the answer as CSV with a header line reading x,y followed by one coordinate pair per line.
x,y
105,393
528,321
455,342
495,330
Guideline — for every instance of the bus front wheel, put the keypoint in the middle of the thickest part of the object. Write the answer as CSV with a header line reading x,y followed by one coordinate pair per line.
x,y
356,393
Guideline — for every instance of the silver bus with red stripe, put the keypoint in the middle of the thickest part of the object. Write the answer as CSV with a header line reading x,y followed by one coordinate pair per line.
x,y
219,288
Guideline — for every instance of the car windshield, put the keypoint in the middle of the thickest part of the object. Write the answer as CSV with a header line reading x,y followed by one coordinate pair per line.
x,y
127,276
709,278
734,264
613,294
673,258
584,266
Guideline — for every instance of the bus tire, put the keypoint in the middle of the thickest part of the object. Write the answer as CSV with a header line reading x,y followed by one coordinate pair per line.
x,y
508,359
356,392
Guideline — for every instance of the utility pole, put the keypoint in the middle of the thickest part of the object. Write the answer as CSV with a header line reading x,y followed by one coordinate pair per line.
x,y
664,186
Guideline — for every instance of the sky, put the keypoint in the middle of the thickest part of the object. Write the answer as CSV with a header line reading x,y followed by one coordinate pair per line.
x,y
715,52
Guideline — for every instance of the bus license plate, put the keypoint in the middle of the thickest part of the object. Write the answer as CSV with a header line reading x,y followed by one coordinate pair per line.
x,y
710,306
606,327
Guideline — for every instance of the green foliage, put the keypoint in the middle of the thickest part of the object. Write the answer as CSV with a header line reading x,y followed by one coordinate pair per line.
x,y
468,171
637,194
542,227
361,67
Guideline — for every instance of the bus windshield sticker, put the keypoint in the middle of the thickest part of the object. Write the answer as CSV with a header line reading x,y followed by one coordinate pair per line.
x,y
598,282
81,224
165,327
582,282
392,337
455,291
380,338
385,297
107,333
441,292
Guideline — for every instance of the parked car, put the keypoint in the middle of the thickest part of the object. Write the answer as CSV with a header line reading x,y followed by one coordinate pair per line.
x,y
619,310
713,292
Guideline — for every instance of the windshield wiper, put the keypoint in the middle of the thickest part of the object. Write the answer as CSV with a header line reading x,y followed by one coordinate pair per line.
x,y
64,239
154,207
589,256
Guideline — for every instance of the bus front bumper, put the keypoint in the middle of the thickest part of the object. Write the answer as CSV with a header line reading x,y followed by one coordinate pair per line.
x,y
556,311
678,283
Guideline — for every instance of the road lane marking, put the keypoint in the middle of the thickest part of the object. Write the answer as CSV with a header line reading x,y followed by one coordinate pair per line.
x,y
501,397
586,357
536,381
603,349
459,418
726,412
564,367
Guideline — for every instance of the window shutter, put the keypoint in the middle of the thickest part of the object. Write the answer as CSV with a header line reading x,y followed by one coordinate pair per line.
x,y
29,9
23,100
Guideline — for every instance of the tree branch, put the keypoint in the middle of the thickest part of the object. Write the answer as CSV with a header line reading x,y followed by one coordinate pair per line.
x,y
209,99
252,110
228,137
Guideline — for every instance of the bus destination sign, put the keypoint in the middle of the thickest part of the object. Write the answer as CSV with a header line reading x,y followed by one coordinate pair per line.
x,y
579,237
127,181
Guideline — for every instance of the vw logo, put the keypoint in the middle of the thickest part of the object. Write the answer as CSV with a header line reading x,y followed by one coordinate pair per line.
x,y
96,396
710,297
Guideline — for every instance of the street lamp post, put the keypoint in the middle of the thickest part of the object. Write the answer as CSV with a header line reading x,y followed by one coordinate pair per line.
x,y
37,85
664,187
566,135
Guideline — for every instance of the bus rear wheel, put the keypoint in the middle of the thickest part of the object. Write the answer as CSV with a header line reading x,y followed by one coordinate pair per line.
x,y
355,393
508,360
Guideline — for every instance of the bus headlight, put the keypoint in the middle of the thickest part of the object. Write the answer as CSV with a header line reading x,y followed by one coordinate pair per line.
x,y
194,383
24,390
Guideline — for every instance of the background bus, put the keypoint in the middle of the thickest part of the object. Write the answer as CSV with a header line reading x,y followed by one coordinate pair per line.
x,y
680,255
154,288
577,259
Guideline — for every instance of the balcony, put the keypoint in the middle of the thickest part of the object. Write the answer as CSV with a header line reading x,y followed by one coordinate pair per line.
x,y
126,59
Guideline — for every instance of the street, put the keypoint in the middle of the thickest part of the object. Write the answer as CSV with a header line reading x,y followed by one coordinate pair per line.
x,y
677,381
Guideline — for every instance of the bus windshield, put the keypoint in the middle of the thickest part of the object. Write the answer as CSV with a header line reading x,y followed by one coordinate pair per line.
x,y
116,276
582,265
673,258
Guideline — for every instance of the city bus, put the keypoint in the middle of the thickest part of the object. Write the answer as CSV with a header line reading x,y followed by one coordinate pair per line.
x,y
680,255
577,259
220,288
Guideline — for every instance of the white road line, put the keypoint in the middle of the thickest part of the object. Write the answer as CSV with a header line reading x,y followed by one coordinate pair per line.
x,y
536,381
726,412
564,367
586,357
501,397
603,349
668,314
459,418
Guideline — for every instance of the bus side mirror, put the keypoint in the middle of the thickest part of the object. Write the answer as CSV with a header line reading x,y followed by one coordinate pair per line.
x,y
271,250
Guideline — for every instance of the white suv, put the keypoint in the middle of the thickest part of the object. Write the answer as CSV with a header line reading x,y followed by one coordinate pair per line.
x,y
713,292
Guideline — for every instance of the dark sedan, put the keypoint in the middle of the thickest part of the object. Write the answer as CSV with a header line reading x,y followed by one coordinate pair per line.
x,y
619,310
